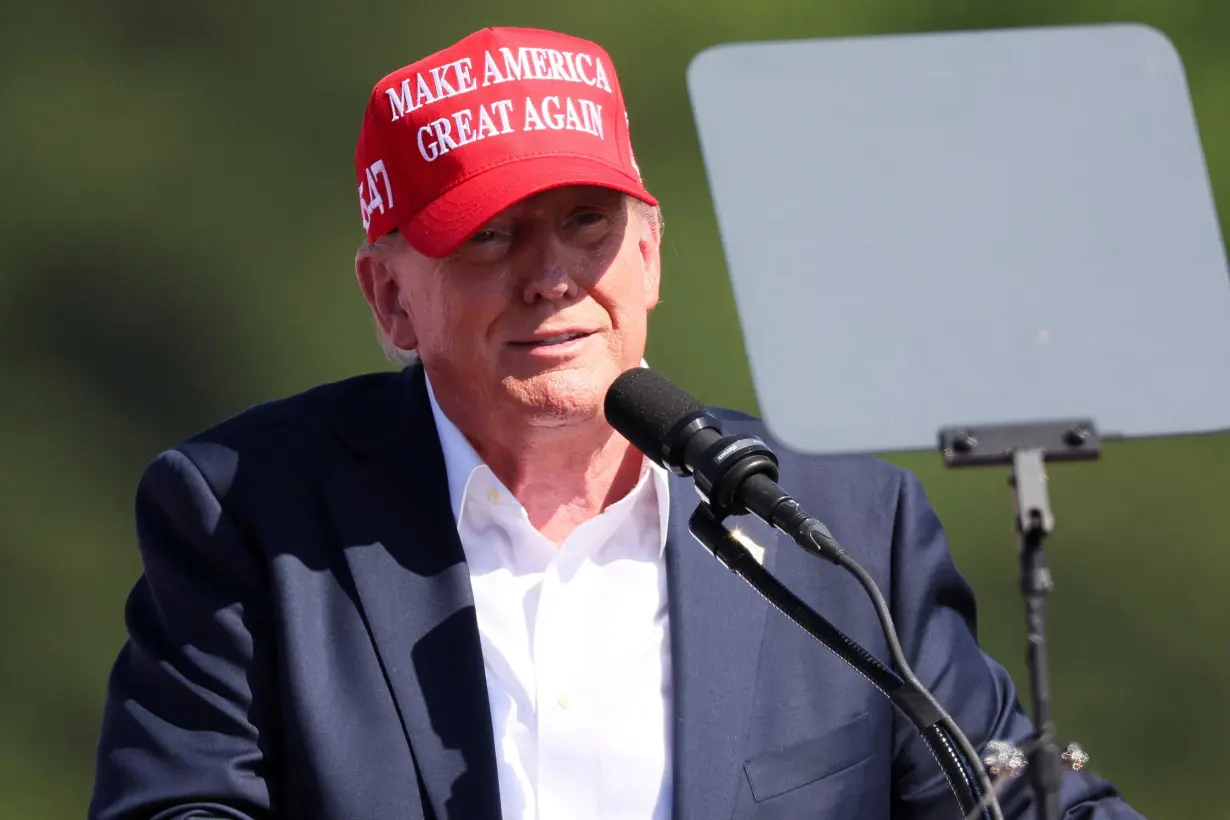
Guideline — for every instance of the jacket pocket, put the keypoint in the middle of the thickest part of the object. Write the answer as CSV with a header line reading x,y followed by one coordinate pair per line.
x,y
784,770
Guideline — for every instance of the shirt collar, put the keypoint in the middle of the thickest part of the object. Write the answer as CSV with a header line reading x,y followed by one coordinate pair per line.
x,y
461,460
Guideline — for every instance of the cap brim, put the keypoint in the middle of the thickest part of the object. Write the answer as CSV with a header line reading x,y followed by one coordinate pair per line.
x,y
444,225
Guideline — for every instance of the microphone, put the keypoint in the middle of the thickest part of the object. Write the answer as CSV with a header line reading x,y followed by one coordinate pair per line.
x,y
735,475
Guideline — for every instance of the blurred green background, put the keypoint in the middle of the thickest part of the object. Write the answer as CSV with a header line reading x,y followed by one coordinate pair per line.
x,y
176,243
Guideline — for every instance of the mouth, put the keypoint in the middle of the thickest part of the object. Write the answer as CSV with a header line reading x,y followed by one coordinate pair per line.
x,y
553,341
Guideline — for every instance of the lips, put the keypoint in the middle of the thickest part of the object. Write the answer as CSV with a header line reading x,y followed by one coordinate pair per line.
x,y
553,339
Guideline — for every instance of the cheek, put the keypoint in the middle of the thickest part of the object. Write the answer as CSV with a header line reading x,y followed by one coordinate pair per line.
x,y
456,312
623,290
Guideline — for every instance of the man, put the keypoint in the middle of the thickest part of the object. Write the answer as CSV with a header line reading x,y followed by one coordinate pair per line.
x,y
455,592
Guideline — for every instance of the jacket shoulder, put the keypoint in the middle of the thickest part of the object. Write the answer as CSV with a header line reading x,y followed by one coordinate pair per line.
x,y
288,420
291,436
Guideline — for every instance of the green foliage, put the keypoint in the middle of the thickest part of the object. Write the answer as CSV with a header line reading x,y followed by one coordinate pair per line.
x,y
177,245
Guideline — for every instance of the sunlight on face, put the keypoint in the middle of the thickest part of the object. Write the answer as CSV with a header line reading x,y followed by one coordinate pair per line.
x,y
541,309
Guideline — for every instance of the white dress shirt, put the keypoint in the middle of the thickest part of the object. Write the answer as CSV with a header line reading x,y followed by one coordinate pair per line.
x,y
575,645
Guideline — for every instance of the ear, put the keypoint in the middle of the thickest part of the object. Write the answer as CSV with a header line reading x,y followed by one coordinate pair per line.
x,y
650,244
378,280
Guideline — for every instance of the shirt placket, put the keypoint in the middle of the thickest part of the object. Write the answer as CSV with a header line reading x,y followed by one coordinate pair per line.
x,y
564,655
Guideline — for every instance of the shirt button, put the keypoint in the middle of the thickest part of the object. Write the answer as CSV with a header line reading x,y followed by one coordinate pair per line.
x,y
494,495
564,701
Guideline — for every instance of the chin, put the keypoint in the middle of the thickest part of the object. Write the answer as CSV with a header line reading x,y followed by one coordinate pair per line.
x,y
565,395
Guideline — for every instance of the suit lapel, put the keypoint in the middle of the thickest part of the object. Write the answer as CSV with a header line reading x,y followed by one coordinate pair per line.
x,y
400,542
717,622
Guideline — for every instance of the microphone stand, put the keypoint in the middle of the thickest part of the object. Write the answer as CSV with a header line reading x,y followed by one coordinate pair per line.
x,y
960,764
1027,448
737,475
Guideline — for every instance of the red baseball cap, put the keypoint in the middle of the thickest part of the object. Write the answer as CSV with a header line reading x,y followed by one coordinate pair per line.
x,y
451,140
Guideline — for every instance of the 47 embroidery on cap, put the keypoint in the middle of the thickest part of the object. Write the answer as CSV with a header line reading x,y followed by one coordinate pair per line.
x,y
378,189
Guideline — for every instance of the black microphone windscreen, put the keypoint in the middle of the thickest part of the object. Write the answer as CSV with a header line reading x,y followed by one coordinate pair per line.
x,y
643,406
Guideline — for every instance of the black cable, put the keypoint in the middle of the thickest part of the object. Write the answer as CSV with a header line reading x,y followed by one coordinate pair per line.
x,y
907,693
825,541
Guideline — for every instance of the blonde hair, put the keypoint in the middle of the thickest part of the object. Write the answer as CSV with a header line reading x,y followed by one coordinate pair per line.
x,y
395,241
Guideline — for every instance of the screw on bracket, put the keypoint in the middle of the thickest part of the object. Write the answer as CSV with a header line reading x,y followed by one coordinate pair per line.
x,y
1076,436
964,442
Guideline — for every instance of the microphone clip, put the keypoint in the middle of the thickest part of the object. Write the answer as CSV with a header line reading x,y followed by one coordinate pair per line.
x,y
725,465
675,443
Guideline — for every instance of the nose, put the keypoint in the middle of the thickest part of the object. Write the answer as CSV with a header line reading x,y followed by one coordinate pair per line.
x,y
548,274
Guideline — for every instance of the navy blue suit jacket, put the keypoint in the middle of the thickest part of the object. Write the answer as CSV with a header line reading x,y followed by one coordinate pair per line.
x,y
303,641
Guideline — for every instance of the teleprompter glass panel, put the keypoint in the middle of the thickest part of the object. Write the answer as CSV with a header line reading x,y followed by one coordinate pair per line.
x,y
958,228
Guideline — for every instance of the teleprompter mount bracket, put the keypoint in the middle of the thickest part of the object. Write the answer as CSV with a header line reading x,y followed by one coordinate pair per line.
x,y
977,445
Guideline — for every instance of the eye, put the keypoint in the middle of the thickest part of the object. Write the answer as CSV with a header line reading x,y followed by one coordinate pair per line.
x,y
486,245
488,236
588,222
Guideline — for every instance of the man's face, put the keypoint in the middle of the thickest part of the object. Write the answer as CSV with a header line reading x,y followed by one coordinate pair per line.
x,y
537,313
